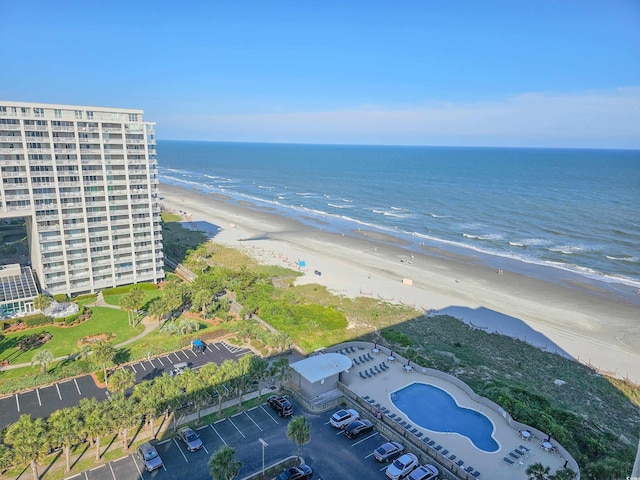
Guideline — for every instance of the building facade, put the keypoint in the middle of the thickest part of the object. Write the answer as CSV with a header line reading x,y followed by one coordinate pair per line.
x,y
85,181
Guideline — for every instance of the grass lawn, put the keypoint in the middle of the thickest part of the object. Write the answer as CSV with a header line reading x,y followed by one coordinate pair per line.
x,y
148,296
65,339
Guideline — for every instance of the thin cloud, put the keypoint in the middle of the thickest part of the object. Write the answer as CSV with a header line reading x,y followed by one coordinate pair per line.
x,y
609,119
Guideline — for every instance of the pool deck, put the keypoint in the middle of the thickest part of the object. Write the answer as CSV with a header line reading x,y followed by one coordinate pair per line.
x,y
377,389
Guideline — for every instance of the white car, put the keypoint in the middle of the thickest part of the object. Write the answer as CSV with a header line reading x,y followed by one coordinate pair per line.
x,y
402,467
424,472
344,417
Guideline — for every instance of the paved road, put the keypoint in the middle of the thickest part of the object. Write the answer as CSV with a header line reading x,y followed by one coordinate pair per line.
x,y
329,452
41,402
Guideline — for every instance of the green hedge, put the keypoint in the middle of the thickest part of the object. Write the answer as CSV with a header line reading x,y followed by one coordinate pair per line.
x,y
127,288
60,297
36,320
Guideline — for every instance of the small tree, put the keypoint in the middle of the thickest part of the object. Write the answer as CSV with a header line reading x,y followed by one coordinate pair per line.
x,y
299,432
44,358
65,427
29,441
223,464
121,380
537,471
564,474
104,353
41,302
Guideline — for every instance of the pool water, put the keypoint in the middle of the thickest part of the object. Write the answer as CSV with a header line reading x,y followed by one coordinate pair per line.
x,y
432,408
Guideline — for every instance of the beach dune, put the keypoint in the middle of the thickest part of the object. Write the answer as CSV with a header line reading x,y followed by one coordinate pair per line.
x,y
591,326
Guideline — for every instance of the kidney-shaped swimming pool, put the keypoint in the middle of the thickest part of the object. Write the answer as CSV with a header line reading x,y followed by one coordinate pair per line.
x,y
435,409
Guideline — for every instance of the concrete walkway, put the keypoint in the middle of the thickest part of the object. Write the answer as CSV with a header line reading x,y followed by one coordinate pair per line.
x,y
149,326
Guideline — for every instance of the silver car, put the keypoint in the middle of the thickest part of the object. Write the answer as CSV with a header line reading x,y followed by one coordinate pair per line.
x,y
190,439
402,467
148,455
387,451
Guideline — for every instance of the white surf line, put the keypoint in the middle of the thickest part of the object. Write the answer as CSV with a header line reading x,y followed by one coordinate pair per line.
x,y
183,455
364,439
77,387
236,426
254,422
274,420
214,429
58,388
17,402
38,394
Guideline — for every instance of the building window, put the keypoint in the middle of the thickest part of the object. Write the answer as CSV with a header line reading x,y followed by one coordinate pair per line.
x,y
3,110
57,113
38,112
24,111
78,114
133,117
89,115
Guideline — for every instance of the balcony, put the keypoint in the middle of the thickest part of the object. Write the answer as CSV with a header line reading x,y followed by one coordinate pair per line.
x,y
39,150
10,126
111,130
14,174
16,139
66,151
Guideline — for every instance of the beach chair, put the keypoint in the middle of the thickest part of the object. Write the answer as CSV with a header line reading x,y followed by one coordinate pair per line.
x,y
352,348
445,452
431,443
452,457
476,474
514,456
392,415
438,447
508,460
419,434
373,372
366,397
460,463
362,376
366,372
468,469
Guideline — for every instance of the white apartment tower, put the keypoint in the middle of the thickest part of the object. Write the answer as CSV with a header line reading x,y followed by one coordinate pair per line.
x,y
85,179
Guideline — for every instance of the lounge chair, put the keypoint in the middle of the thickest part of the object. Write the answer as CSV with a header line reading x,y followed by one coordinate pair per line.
x,y
431,443
366,397
514,456
353,349
438,447
445,452
452,457
392,415
419,434
366,372
508,460
476,474
460,463
362,376
468,469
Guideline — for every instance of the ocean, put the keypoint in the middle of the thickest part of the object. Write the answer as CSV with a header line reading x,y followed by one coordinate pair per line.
x,y
542,212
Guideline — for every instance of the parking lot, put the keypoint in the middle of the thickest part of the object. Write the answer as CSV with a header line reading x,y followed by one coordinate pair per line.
x,y
329,453
41,402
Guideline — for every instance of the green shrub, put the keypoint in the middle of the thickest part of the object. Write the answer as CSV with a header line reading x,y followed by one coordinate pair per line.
x,y
60,297
72,318
36,320
400,338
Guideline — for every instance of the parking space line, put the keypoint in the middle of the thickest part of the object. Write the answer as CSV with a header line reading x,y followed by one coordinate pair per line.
x,y
236,426
364,439
164,441
183,455
383,468
254,422
74,476
176,355
58,388
38,395
112,472
184,352
96,468
340,433
77,387
214,429
133,368
143,367
151,363
121,458
205,448
160,360
201,428
138,468
265,411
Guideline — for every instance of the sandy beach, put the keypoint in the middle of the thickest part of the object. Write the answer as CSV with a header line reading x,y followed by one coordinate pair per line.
x,y
592,327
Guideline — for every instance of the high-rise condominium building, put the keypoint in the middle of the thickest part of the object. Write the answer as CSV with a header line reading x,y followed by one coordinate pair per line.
x,y
85,181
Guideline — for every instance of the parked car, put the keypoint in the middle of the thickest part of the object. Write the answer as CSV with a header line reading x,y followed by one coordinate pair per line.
x,y
358,427
301,472
425,472
148,455
190,439
402,467
281,404
387,451
343,417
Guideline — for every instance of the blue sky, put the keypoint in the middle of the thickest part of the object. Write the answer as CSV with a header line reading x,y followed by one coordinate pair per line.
x,y
422,72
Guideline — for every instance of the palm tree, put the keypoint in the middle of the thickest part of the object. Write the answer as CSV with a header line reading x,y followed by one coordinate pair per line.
x,y
103,353
121,380
299,431
258,371
223,464
158,308
124,416
41,302
126,304
29,441
281,370
65,426
537,471
188,325
44,358
96,420
149,399
6,458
